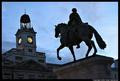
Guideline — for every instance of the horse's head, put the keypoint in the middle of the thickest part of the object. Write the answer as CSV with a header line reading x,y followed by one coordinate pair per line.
x,y
58,29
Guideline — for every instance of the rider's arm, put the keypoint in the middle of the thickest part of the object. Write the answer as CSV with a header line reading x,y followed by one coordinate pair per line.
x,y
78,17
71,17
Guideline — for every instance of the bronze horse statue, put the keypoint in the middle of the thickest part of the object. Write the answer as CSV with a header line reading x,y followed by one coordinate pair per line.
x,y
70,36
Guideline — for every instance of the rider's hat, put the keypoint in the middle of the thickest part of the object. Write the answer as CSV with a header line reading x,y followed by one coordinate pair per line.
x,y
74,10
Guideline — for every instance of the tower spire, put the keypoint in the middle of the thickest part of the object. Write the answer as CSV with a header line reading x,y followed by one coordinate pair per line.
x,y
25,11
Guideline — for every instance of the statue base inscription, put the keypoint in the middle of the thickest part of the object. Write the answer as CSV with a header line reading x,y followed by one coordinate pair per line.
x,y
93,67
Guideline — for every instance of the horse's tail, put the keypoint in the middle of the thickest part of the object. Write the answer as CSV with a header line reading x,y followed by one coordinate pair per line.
x,y
99,39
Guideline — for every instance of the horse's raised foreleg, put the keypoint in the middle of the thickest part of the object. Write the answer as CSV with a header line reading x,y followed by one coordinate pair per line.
x,y
88,43
58,49
72,51
95,50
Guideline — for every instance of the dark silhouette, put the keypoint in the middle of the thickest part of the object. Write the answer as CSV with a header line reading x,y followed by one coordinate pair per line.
x,y
74,20
85,33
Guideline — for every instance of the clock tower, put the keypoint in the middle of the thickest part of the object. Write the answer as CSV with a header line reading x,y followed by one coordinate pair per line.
x,y
26,36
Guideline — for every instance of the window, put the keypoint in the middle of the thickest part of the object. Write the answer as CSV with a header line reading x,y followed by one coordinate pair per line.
x,y
20,76
6,73
31,76
30,50
41,60
7,62
18,58
7,76
40,76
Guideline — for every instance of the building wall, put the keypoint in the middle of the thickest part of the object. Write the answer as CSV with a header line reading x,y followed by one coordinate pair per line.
x,y
26,74
10,72
20,56
115,70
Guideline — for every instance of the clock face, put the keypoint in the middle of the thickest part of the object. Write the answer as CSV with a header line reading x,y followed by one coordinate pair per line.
x,y
29,39
19,41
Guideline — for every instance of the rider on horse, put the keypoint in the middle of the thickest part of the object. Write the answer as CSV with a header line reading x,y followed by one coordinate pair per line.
x,y
74,20
74,16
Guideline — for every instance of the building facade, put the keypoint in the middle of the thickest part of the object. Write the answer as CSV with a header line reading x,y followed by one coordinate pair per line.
x,y
115,70
24,62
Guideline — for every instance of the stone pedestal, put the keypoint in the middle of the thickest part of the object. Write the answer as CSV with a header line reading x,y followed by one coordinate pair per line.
x,y
93,67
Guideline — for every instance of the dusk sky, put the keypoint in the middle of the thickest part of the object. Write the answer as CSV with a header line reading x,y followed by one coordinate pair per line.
x,y
103,16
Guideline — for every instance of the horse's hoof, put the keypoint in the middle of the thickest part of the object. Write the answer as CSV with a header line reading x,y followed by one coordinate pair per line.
x,y
94,54
59,58
74,60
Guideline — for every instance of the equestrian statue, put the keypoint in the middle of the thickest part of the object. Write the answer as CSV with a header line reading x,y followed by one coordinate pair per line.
x,y
75,32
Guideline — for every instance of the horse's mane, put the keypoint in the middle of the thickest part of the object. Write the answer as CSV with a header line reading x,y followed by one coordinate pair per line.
x,y
62,24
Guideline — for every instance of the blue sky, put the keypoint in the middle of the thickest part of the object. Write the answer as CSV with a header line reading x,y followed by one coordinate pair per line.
x,y
103,16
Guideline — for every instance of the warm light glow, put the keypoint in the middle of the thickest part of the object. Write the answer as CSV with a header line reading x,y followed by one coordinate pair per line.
x,y
29,39
20,40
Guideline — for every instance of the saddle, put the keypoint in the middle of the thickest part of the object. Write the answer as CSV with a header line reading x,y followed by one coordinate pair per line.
x,y
73,31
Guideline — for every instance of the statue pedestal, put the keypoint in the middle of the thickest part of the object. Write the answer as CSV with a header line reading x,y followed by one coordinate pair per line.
x,y
93,67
